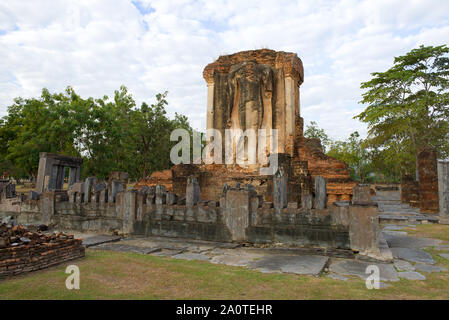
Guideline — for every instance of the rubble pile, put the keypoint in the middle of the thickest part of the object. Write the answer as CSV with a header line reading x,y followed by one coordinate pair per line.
x,y
22,250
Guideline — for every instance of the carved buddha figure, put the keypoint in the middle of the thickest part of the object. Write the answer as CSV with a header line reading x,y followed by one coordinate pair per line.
x,y
255,90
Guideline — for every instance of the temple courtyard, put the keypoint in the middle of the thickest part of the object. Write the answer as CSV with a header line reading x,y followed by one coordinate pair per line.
x,y
169,268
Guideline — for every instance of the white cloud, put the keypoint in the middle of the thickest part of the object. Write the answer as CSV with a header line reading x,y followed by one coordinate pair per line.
x,y
98,45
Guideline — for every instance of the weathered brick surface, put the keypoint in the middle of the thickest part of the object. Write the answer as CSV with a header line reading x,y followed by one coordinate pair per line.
x,y
287,60
428,181
410,191
40,252
339,184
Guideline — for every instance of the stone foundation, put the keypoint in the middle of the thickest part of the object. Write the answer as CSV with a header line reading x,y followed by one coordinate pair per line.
x,y
240,215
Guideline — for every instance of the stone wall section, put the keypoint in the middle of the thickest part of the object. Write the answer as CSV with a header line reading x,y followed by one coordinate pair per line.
x,y
240,215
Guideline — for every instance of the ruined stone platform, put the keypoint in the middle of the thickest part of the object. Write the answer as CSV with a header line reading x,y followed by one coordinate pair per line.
x,y
392,210
408,259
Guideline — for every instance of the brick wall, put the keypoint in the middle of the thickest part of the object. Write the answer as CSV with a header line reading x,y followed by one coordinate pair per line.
x,y
428,181
31,257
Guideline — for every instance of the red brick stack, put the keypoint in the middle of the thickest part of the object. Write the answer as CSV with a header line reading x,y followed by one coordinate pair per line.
x,y
24,251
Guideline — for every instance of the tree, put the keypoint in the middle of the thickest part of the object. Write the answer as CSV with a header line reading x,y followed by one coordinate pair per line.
x,y
35,125
407,105
314,132
354,154
110,134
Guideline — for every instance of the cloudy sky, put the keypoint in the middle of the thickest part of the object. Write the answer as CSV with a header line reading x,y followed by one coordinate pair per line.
x,y
152,46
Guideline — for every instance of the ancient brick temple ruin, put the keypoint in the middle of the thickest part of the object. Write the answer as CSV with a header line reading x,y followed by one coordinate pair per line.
x,y
259,89
309,202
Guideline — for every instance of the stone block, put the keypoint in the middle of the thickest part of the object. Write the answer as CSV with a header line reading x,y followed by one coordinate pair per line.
x,y
103,196
364,229
161,195
88,185
236,213
151,199
280,189
116,187
292,205
34,195
171,199
144,190
306,201
77,187
320,193
361,195
97,187
192,191
443,189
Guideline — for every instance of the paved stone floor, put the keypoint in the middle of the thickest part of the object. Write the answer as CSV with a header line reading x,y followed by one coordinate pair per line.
x,y
392,210
410,261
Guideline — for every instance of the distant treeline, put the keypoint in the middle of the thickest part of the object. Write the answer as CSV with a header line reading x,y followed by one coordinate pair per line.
x,y
109,134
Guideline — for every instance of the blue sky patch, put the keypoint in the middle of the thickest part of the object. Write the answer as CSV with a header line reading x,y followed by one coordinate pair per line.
x,y
143,8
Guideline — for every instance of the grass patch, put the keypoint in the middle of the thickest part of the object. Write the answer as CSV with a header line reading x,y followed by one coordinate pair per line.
x,y
431,230
117,275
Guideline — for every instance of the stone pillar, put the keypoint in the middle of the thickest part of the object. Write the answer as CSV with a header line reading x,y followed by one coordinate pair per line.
x,y
129,211
210,106
320,193
290,106
151,196
47,204
116,187
192,192
236,212
364,229
280,189
88,184
306,201
52,182
443,190
361,194
171,199
72,176
60,178
104,196
45,166
161,194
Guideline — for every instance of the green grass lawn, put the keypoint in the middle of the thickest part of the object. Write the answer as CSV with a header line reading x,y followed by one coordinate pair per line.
x,y
114,275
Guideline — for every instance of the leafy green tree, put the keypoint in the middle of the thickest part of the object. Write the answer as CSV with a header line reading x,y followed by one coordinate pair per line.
x,y
110,134
314,132
36,125
354,154
407,105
